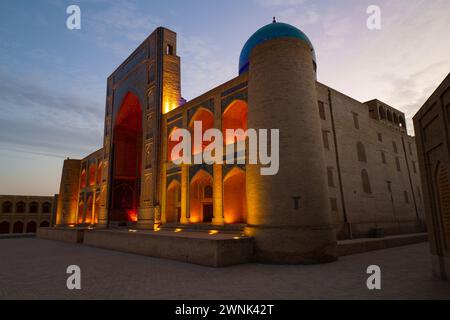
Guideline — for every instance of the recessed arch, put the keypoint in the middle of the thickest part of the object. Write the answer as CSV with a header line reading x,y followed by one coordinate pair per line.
x,y
92,171
20,207
389,115
4,227
234,118
382,112
171,144
234,199
83,179
7,207
127,164
200,197
34,207
173,202
18,227
31,227
206,117
395,117
46,207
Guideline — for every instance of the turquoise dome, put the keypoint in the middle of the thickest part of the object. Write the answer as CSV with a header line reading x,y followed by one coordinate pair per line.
x,y
271,31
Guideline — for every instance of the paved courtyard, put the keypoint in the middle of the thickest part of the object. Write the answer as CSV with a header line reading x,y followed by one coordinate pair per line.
x,y
35,269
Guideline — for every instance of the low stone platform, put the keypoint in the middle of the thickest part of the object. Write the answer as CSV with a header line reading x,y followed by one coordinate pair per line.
x,y
213,250
72,235
356,246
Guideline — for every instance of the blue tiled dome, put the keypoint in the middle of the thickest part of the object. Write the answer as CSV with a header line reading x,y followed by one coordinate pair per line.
x,y
271,31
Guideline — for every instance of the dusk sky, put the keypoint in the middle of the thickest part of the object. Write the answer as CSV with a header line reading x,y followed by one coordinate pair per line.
x,y
53,80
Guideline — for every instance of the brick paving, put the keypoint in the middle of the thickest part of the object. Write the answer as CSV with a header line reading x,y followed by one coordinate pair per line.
x,y
35,269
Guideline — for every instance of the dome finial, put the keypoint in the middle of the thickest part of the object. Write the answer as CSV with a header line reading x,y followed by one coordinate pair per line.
x,y
274,20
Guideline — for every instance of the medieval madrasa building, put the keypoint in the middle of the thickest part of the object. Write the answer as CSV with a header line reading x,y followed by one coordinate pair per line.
x,y
347,169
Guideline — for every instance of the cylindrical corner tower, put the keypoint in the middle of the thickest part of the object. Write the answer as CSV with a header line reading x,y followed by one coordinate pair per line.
x,y
288,213
67,208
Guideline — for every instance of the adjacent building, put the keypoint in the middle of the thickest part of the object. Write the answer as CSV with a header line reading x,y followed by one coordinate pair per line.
x,y
24,214
432,130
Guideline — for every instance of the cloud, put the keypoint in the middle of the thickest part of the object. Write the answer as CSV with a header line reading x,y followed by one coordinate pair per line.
x,y
37,119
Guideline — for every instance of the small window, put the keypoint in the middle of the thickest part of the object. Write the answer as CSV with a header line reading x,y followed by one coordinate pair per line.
x,y
380,137
34,207
394,146
46,207
383,157
362,157
333,203
322,110
389,186
6,207
326,143
356,120
397,162
366,182
20,207
169,50
330,174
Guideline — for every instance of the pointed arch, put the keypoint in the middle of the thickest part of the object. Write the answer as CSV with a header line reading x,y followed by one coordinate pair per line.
x,y
4,227
235,117
127,165
200,197
18,227
206,117
173,202
234,199
31,227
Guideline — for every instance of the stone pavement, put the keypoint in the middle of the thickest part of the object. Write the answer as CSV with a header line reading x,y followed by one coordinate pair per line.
x,y
35,269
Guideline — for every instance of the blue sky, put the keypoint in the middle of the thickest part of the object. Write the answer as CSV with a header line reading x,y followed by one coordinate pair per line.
x,y
52,80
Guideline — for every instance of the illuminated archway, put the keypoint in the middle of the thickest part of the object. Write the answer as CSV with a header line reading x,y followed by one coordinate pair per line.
x,y
127,164
234,197
80,212
173,203
83,179
89,208
201,198
170,145
235,117
92,170
31,227
207,119
99,173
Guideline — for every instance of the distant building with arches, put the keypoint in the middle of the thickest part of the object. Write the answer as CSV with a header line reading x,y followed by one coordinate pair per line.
x,y
25,214
345,166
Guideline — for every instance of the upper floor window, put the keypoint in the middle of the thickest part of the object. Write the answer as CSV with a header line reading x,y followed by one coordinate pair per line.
x,y
322,110
34,207
394,146
361,152
326,142
330,177
356,120
20,207
169,50
366,182
46,207
6,207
